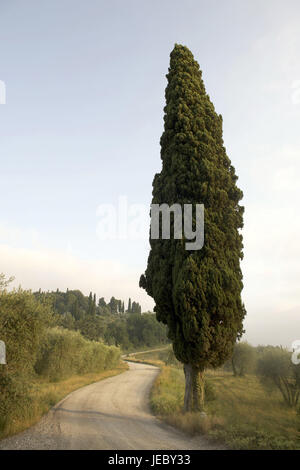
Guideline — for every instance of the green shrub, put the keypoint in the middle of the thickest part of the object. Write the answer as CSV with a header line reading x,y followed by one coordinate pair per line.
x,y
23,323
59,356
14,397
65,353
112,357
276,370
243,359
34,348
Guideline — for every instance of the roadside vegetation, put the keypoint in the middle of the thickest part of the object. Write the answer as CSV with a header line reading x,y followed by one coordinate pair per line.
x,y
243,410
44,360
59,341
38,394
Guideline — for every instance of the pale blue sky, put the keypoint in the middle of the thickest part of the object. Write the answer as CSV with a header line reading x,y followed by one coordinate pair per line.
x,y
81,126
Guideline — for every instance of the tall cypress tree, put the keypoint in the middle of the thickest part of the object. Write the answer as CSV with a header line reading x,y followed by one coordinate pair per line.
x,y
197,293
113,304
75,310
90,304
101,302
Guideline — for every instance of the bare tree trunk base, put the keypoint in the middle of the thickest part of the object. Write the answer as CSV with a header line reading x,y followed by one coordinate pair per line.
x,y
194,389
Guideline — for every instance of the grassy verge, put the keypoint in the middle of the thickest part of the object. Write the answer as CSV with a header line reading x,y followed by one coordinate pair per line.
x,y
239,412
44,394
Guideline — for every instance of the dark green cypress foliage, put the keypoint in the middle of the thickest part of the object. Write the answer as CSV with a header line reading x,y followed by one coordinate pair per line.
x,y
90,304
101,302
197,293
113,304
75,310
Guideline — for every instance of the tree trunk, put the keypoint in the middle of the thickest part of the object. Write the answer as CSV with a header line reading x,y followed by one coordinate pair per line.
x,y
198,390
188,396
194,389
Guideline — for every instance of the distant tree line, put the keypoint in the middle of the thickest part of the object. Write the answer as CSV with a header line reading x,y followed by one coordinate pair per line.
x,y
79,305
128,328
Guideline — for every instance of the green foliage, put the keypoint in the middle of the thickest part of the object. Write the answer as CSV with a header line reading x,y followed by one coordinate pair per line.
x,y
136,308
35,348
23,323
65,353
14,396
197,293
276,370
135,331
116,333
243,359
79,305
67,320
102,303
112,357
91,327
91,305
113,304
78,312
145,330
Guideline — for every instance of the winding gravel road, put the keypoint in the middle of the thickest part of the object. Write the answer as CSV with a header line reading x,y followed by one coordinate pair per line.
x,y
111,414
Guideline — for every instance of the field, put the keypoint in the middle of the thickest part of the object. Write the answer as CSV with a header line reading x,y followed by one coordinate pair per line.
x,y
240,413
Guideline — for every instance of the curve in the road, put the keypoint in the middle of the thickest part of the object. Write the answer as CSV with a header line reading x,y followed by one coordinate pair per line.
x,y
111,414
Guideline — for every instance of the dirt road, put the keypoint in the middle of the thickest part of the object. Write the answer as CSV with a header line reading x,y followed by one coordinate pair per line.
x,y
110,414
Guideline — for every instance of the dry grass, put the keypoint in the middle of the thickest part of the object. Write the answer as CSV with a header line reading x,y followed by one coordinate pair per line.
x,y
45,394
240,414
195,423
